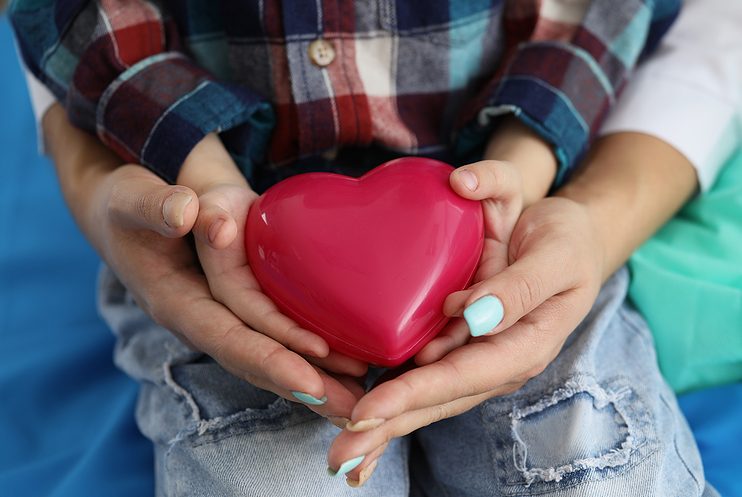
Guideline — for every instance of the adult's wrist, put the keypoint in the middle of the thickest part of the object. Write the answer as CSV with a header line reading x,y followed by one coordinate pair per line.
x,y
629,185
82,163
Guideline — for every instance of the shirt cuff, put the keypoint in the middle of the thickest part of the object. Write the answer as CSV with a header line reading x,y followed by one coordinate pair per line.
x,y
156,111
700,125
562,109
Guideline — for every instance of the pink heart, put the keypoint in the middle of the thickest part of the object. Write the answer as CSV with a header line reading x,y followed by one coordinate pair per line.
x,y
366,263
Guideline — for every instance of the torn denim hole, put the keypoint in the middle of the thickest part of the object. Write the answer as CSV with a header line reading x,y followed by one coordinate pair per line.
x,y
579,426
167,371
198,421
221,403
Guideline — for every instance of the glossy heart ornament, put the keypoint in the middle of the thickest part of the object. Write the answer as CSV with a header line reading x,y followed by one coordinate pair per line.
x,y
366,263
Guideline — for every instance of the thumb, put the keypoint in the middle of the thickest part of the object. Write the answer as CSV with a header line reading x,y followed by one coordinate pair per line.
x,y
141,200
499,187
487,179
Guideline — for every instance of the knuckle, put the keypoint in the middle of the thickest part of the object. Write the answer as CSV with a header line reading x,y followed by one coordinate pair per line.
x,y
503,176
114,202
404,389
455,377
201,226
155,312
218,345
157,309
528,290
217,290
143,207
271,358
439,413
492,172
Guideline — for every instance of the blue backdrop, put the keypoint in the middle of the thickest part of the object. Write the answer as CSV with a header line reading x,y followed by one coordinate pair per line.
x,y
66,414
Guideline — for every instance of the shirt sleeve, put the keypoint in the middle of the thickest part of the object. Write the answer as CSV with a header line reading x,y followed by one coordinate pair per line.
x,y
564,64
120,70
689,92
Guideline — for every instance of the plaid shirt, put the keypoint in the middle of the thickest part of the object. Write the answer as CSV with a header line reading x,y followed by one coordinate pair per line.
x,y
426,77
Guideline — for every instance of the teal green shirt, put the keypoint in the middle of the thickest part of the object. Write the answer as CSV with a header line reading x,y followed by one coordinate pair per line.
x,y
687,282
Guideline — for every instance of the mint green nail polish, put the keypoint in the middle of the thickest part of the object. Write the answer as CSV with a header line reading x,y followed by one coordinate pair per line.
x,y
483,315
347,466
308,399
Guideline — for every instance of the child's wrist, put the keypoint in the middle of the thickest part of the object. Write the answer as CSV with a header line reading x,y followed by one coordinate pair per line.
x,y
209,165
518,144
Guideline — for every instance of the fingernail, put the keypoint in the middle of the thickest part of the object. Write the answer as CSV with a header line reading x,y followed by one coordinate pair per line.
x,y
338,421
173,209
364,475
214,230
309,399
483,315
364,424
347,466
469,179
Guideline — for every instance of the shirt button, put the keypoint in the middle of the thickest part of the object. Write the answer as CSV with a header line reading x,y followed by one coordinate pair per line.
x,y
321,52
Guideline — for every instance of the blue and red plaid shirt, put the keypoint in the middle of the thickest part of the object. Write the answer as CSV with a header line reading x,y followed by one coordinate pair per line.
x,y
427,77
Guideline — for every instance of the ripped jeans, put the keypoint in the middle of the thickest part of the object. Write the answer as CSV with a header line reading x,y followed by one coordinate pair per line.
x,y
599,421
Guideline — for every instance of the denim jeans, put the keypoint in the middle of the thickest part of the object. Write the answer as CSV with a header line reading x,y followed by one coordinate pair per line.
x,y
599,421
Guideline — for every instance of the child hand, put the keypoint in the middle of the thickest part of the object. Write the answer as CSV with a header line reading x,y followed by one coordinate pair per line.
x,y
220,235
224,201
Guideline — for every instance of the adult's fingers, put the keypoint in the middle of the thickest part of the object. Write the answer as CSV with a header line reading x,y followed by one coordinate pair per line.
x,y
359,476
141,200
250,355
501,300
371,444
483,365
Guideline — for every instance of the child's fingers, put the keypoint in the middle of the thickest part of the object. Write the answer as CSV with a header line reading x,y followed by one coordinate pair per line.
x,y
254,308
338,363
453,336
143,202
215,226
487,179
499,187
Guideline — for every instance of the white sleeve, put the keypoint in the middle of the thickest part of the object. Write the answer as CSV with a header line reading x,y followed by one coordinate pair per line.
x,y
41,100
689,92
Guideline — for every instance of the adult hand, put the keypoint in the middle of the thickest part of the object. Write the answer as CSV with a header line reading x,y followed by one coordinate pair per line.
x,y
543,278
136,222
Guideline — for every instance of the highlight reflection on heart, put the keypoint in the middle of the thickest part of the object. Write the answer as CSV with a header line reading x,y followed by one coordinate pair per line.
x,y
366,263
